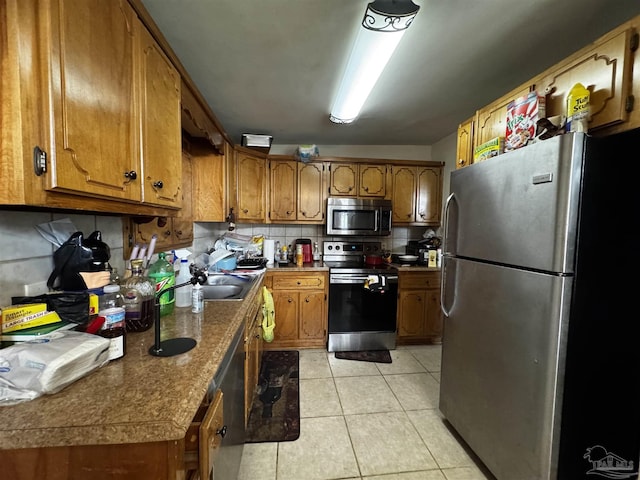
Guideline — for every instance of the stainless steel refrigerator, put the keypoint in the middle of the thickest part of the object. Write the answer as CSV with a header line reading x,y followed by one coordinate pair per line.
x,y
540,354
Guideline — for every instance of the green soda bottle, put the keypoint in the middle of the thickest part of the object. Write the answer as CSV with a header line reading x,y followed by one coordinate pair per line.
x,y
162,273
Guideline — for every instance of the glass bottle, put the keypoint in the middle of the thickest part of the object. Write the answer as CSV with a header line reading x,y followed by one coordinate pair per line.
x,y
164,276
316,252
138,293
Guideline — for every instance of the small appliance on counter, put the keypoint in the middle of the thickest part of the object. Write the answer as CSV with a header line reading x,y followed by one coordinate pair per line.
x,y
421,248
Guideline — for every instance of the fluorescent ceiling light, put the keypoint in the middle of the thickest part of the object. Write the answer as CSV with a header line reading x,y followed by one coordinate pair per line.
x,y
383,25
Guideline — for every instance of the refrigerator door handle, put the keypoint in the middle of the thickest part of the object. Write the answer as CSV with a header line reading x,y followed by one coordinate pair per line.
x,y
446,220
445,312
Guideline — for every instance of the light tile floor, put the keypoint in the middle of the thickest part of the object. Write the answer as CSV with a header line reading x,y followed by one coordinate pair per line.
x,y
369,421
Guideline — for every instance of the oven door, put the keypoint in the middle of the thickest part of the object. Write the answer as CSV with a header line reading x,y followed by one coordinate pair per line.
x,y
356,313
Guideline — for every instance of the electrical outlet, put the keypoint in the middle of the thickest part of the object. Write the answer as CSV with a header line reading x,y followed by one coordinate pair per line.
x,y
37,288
383,246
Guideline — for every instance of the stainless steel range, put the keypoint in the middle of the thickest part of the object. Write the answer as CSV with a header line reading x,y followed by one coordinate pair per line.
x,y
361,317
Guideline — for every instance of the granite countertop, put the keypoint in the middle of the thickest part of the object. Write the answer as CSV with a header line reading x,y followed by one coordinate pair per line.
x,y
415,268
138,398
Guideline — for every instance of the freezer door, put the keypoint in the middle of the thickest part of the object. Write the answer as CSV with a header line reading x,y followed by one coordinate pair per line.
x,y
519,208
503,348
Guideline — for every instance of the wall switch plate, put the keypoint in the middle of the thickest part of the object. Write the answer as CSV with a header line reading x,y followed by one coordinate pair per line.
x,y
37,288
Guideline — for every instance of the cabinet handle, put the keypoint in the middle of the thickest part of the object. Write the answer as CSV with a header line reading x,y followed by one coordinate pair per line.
x,y
222,431
158,184
131,175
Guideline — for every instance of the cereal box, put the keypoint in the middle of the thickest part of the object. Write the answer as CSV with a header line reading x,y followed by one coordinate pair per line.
x,y
489,149
522,117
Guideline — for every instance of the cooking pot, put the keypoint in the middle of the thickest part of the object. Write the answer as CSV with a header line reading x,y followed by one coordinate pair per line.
x,y
373,259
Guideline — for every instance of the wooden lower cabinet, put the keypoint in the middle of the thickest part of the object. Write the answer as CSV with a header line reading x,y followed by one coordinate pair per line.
x,y
419,315
300,301
253,345
181,459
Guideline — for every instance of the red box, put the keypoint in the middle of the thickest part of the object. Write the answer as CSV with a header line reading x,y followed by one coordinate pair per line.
x,y
522,116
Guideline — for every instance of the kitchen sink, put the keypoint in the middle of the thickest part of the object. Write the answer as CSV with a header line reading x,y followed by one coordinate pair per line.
x,y
228,287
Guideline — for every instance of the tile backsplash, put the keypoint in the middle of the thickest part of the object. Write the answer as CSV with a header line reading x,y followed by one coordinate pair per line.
x,y
27,258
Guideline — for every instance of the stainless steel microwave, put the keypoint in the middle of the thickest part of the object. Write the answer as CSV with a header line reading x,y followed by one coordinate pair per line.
x,y
358,216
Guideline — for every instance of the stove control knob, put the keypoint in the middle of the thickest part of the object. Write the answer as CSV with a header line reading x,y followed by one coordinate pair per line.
x,y
337,247
330,247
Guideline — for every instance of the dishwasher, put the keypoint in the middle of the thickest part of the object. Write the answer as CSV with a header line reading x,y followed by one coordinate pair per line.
x,y
230,379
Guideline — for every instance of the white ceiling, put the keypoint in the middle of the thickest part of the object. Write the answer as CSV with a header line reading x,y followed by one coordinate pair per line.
x,y
273,66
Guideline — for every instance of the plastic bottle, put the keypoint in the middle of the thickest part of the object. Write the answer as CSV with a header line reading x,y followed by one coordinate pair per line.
x,y
183,294
197,299
162,273
299,255
578,109
138,292
111,307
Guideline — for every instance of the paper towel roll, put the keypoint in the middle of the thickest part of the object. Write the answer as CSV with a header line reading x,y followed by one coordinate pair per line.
x,y
269,250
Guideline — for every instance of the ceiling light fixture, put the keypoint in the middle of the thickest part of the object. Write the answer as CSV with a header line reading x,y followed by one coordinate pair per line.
x,y
383,25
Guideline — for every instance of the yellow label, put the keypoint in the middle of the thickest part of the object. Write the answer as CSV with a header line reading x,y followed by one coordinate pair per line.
x,y
577,107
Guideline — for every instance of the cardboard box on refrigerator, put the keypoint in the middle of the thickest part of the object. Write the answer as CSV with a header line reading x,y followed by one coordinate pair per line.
x,y
522,118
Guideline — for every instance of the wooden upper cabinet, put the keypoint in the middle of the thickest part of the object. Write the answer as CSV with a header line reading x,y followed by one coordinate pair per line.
x,y
429,195
344,179
183,221
160,119
283,189
251,181
209,180
372,180
404,181
358,179
491,121
296,191
464,153
416,195
605,69
95,149
311,198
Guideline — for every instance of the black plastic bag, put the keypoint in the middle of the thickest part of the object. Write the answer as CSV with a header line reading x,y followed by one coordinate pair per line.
x,y
71,307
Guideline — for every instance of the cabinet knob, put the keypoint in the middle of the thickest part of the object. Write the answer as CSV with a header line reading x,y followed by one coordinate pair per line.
x,y
290,300
167,233
258,336
288,212
131,175
366,189
178,232
222,431
304,214
299,282
422,214
408,215
244,210
350,188
158,184
306,300
461,161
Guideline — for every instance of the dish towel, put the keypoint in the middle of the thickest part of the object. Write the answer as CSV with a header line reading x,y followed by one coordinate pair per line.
x,y
268,315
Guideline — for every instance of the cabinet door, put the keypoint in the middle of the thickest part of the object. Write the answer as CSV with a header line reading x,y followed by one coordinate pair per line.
x,y
252,181
312,308
433,324
160,120
412,310
372,180
404,194
283,183
491,121
429,195
183,222
605,70
95,124
209,181
311,192
286,307
464,153
344,179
